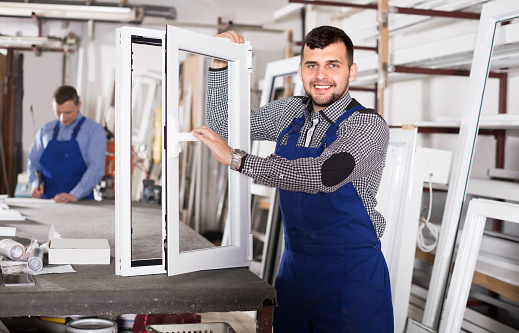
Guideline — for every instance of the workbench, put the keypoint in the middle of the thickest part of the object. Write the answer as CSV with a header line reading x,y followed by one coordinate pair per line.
x,y
97,290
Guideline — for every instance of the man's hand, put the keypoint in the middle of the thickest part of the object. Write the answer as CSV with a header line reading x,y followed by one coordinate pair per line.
x,y
37,192
220,149
64,197
234,37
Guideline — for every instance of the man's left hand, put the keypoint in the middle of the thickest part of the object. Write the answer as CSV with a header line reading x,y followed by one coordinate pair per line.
x,y
220,149
64,197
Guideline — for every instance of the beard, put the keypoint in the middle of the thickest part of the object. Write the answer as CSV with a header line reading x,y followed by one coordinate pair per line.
x,y
325,101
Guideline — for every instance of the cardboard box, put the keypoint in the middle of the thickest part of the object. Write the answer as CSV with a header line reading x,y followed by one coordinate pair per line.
x,y
79,251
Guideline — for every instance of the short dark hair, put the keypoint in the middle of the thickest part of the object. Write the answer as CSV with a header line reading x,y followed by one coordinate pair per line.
x,y
325,35
66,93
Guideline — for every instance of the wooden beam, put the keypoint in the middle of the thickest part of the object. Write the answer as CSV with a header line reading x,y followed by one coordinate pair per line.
x,y
383,53
481,279
289,53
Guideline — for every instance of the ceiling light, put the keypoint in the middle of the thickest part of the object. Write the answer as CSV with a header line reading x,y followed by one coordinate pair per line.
x,y
133,14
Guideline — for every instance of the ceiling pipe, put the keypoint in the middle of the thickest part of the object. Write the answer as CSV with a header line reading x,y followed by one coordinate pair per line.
x,y
395,10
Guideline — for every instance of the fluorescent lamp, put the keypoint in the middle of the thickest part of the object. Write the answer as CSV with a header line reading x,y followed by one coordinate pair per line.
x,y
73,12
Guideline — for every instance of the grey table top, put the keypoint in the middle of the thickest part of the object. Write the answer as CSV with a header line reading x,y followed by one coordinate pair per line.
x,y
97,290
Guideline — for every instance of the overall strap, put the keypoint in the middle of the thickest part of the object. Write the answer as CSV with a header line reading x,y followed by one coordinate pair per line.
x,y
294,129
331,133
55,131
78,127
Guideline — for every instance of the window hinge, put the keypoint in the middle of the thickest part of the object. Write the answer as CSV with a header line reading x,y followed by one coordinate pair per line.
x,y
249,59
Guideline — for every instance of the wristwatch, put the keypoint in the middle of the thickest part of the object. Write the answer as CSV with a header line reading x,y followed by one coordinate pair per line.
x,y
237,155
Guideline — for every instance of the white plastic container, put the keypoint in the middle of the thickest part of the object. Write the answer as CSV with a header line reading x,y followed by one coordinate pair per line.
x,y
126,321
91,325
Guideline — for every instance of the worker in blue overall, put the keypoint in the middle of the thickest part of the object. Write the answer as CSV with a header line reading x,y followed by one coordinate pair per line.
x,y
328,163
67,159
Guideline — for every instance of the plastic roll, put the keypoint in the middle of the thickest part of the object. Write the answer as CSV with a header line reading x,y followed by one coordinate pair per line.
x,y
11,249
35,262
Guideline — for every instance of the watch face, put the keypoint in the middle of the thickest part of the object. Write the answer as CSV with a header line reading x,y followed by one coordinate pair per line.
x,y
239,152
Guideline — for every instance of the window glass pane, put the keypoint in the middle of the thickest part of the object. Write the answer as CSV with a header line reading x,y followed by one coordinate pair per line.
x,y
146,178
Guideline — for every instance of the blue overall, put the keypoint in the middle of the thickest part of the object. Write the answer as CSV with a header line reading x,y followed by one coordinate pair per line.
x,y
62,164
333,276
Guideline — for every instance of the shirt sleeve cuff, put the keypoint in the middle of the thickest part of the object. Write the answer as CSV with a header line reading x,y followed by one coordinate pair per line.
x,y
217,77
211,69
242,163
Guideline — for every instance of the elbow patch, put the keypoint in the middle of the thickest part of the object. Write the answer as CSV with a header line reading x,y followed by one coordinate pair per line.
x,y
337,168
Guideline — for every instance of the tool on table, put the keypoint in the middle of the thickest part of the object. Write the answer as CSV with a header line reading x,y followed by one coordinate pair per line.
x,y
40,179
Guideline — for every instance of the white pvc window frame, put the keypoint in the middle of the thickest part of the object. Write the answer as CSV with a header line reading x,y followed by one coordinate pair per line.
x,y
398,200
280,68
478,212
173,261
124,265
492,13
239,56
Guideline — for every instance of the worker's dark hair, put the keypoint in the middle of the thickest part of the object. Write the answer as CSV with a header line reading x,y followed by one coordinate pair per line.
x,y
325,35
64,94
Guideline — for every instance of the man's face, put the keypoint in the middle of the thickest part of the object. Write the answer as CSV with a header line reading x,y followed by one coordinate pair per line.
x,y
66,112
325,74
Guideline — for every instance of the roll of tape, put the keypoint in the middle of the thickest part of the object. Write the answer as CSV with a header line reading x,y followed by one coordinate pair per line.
x,y
35,262
11,249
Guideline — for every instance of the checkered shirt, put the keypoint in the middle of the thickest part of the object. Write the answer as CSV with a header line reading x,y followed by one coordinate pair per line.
x,y
364,135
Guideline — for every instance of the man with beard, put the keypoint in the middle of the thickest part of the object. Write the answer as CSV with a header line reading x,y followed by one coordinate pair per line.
x,y
328,163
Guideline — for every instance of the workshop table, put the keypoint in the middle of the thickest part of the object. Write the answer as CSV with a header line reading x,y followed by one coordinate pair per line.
x,y
97,290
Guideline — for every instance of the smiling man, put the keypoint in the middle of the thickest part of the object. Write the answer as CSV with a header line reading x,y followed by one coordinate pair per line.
x,y
67,159
328,163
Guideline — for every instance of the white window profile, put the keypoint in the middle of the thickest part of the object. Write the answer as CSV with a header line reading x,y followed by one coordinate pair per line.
x,y
173,261
278,69
237,253
492,13
478,212
124,265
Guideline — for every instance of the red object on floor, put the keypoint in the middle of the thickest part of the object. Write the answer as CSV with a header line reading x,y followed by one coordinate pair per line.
x,y
150,319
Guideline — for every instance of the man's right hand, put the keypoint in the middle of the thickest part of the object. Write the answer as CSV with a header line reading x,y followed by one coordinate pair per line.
x,y
37,192
234,37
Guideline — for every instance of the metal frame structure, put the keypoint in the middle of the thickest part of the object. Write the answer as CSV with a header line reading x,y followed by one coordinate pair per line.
x,y
173,260
478,212
492,13
395,10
